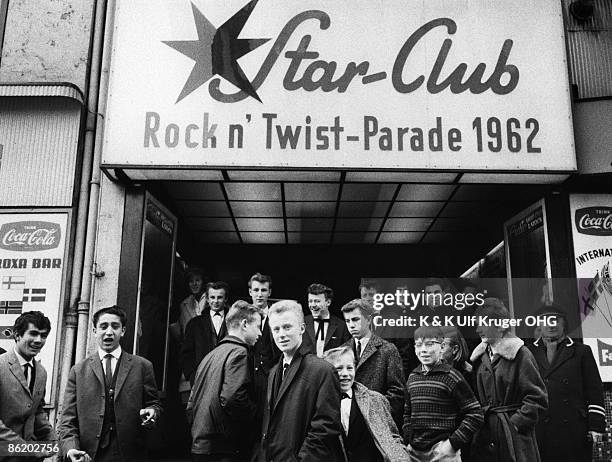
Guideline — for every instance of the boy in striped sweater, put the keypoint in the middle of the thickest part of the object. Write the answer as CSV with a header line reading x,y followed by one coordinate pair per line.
x,y
441,413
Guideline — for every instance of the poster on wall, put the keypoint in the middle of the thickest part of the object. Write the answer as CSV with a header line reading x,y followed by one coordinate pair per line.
x,y
528,261
32,261
592,236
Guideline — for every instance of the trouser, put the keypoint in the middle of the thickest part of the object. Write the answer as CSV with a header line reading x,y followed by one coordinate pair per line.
x,y
110,453
216,458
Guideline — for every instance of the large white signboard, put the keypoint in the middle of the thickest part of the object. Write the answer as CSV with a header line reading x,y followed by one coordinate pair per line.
x,y
440,84
592,236
32,261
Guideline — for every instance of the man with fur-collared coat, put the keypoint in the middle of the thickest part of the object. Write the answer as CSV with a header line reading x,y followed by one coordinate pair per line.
x,y
510,390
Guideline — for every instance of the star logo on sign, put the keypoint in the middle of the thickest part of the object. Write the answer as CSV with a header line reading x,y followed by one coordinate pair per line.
x,y
217,50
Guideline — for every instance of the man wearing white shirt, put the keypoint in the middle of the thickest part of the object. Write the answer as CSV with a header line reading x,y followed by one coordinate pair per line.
x,y
116,382
324,331
22,385
379,365
205,331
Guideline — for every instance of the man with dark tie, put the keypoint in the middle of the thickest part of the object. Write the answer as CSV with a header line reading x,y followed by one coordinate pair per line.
x,y
204,332
323,330
379,365
301,417
110,398
369,433
22,385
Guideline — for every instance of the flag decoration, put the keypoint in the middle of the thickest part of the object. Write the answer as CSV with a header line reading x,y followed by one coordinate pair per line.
x,y
9,282
34,295
11,307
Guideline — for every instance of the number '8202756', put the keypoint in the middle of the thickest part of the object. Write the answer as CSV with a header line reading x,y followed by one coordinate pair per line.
x,y
493,135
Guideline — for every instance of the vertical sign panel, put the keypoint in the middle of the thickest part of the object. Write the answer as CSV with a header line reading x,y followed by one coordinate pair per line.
x,y
592,235
32,262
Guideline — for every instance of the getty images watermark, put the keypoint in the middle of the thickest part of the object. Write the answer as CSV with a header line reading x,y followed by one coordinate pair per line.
x,y
435,301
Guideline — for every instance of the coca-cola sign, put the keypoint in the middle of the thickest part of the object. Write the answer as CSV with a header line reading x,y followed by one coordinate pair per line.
x,y
30,236
595,221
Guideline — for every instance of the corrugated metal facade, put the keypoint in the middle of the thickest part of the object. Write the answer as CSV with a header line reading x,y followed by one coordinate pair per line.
x,y
590,51
39,140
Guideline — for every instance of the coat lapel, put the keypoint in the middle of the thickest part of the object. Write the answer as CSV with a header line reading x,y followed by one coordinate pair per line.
x,y
370,349
539,353
17,371
125,364
309,324
563,354
331,328
96,365
287,380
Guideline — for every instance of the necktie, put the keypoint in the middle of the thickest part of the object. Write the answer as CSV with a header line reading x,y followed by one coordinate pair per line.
x,y
358,348
108,373
320,335
345,396
285,367
29,380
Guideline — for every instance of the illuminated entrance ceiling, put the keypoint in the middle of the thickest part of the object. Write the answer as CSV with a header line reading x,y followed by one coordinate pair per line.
x,y
327,207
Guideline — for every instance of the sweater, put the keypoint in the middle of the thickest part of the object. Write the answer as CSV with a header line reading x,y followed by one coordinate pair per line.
x,y
440,405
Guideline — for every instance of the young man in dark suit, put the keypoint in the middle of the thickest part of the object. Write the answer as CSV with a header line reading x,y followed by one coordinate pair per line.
x,y
323,330
22,386
110,398
204,332
379,365
302,414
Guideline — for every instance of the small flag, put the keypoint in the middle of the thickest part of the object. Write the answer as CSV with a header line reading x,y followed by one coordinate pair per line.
x,y
11,307
34,295
9,281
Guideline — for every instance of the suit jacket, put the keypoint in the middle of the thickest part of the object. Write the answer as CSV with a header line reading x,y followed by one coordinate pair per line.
x,y
337,334
22,416
80,426
575,401
200,339
380,369
303,422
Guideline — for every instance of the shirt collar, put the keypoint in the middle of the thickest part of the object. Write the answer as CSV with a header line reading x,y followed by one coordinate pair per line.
x,y
349,393
440,367
22,360
221,312
116,353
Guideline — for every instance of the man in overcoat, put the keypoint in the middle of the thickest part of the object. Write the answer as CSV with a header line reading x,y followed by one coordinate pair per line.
x,y
379,364
110,399
510,390
302,415
575,418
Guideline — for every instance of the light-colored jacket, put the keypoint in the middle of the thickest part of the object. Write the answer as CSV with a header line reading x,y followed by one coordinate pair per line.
x,y
376,412
22,416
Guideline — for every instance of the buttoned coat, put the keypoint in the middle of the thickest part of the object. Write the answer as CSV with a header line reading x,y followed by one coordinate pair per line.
x,y
380,369
512,394
303,422
377,415
575,401
80,426
200,339
337,334
22,414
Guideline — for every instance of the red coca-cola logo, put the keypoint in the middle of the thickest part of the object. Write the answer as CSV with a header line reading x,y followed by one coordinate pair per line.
x,y
595,221
29,236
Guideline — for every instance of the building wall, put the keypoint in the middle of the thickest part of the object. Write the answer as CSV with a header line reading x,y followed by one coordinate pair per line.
x,y
47,41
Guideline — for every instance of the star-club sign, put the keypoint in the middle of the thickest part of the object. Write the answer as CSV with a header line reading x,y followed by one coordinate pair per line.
x,y
217,50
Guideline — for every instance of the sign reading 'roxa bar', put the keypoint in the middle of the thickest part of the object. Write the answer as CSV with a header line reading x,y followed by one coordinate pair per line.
x,y
386,84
